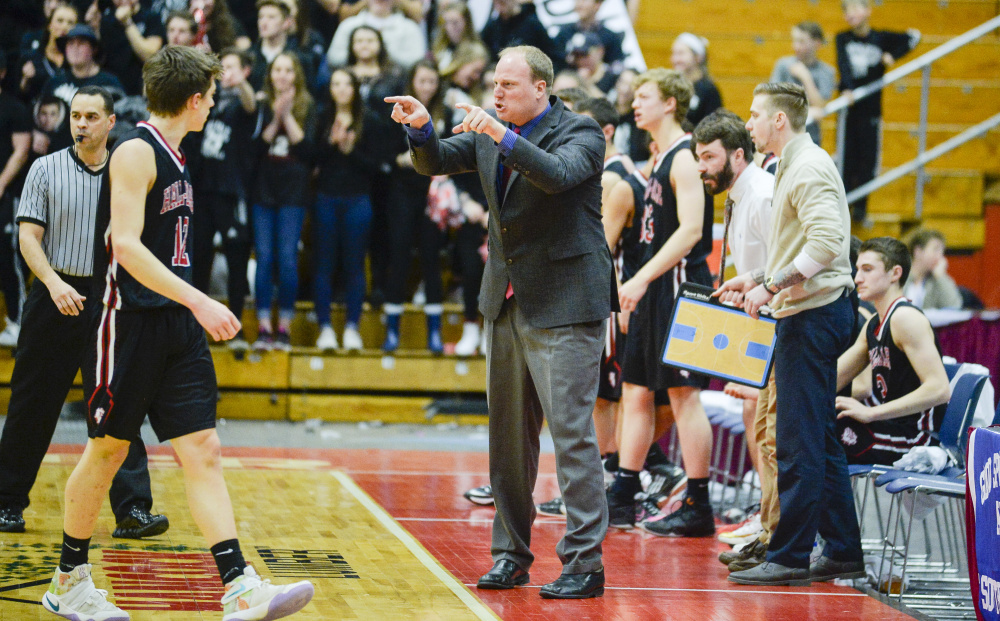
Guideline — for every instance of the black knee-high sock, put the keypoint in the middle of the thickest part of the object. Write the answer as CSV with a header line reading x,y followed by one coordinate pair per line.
x,y
229,560
74,553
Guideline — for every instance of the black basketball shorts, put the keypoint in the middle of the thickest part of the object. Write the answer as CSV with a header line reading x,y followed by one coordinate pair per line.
x,y
149,362
648,331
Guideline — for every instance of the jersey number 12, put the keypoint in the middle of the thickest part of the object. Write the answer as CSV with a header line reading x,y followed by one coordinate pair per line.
x,y
180,258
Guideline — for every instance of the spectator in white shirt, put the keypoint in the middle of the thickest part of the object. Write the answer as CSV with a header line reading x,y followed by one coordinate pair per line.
x,y
404,41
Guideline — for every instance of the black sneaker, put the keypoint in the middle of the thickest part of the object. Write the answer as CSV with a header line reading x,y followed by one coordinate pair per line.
x,y
620,514
666,480
11,520
480,495
555,507
691,520
139,524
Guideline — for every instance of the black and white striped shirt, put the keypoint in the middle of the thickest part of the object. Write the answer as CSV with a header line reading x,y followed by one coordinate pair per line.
x,y
60,194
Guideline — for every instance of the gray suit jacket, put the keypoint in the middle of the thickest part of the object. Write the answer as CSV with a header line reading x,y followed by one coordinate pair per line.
x,y
546,238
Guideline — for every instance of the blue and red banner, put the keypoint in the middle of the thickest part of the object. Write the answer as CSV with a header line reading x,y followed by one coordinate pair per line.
x,y
982,514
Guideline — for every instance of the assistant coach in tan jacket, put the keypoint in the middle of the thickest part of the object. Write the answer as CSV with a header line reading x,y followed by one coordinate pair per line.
x,y
807,285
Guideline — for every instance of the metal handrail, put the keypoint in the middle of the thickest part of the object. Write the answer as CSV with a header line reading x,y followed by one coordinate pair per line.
x,y
922,64
918,162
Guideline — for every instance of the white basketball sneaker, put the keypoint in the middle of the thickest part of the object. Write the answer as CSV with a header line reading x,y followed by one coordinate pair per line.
x,y
327,340
73,596
352,338
248,598
749,531
466,346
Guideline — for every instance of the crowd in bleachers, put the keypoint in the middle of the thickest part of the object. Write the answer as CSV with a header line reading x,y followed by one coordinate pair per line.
x,y
299,165
301,168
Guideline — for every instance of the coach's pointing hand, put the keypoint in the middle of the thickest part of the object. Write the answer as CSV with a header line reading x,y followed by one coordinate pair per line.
x,y
479,121
408,111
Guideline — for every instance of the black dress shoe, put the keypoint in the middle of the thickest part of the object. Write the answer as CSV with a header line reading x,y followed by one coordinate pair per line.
x,y
575,586
504,575
139,524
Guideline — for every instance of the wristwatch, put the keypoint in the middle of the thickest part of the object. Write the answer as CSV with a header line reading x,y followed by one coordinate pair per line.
x,y
768,284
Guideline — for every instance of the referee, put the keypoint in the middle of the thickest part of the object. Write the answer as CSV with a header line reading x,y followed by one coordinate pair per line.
x,y
56,217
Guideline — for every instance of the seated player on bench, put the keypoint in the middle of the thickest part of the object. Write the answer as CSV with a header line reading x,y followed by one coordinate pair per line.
x,y
909,386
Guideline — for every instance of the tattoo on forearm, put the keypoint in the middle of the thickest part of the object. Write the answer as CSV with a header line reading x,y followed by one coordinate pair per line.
x,y
788,276
758,276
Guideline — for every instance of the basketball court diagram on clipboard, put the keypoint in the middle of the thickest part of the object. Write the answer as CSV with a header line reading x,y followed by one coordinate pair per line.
x,y
708,337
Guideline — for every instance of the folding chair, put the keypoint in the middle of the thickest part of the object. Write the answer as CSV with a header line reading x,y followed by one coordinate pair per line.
x,y
956,419
939,585
945,559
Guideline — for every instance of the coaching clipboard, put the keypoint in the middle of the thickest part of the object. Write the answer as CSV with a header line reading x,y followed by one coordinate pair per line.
x,y
708,337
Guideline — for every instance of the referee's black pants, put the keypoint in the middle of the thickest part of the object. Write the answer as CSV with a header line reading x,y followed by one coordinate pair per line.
x,y
50,349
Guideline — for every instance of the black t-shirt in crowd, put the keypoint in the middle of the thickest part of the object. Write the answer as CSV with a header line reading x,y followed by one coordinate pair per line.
x,y
245,12
859,61
521,29
44,70
121,59
705,101
283,169
14,119
226,146
348,174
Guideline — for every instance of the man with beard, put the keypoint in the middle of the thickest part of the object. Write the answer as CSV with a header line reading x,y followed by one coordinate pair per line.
x,y
724,151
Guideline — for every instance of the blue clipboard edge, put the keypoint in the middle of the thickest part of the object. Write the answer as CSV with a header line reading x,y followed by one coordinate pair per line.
x,y
702,294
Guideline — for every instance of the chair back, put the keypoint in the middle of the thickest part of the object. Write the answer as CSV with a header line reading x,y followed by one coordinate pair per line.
x,y
959,413
952,369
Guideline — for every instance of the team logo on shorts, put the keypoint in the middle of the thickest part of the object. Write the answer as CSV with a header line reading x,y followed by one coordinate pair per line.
x,y
98,415
849,438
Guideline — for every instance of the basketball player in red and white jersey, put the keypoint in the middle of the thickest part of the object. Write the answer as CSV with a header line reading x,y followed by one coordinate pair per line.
x,y
149,352
676,231
908,381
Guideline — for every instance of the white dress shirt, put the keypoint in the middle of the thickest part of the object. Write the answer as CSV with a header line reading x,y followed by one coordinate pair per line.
x,y
751,225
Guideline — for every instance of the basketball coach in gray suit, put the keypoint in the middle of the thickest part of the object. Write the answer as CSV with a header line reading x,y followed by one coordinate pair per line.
x,y
548,290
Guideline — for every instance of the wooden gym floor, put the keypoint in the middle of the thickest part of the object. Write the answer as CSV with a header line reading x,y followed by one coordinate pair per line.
x,y
384,534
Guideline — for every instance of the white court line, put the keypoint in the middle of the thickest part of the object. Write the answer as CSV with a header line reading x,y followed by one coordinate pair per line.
x,y
731,592
477,607
411,473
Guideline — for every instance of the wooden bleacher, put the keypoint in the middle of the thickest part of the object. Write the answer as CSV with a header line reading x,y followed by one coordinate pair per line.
x,y
747,36
337,386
